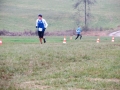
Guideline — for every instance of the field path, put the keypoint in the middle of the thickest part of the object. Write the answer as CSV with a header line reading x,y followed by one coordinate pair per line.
x,y
116,34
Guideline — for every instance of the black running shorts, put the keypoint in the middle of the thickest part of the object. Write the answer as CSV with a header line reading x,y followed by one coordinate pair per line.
x,y
40,34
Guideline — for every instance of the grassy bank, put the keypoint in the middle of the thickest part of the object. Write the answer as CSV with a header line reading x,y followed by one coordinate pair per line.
x,y
79,64
20,15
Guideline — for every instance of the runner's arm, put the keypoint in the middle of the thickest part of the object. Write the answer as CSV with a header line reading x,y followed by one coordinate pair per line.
x,y
37,23
45,23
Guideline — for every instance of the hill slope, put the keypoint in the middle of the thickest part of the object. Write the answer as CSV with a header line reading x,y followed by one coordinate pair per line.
x,y
20,15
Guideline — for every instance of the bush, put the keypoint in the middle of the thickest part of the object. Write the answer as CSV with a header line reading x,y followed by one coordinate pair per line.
x,y
25,33
85,28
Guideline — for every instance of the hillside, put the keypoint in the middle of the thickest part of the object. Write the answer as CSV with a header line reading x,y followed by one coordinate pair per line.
x,y
20,15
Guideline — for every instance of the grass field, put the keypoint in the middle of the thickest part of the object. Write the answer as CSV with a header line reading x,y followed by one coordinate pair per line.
x,y
20,15
25,64
77,65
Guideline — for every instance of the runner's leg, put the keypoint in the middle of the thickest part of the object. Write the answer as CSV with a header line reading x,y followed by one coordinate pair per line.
x,y
44,36
80,36
77,36
41,40
44,40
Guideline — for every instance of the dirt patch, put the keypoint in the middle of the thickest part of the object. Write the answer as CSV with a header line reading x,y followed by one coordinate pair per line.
x,y
82,89
61,33
32,85
95,33
116,32
104,80
90,32
72,32
55,33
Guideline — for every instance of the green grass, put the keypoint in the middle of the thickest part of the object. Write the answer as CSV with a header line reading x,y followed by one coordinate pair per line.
x,y
20,15
27,65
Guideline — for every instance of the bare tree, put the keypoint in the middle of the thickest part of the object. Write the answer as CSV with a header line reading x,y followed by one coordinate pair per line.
x,y
79,6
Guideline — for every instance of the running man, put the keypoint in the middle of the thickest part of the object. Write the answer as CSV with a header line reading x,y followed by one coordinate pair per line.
x,y
41,26
78,32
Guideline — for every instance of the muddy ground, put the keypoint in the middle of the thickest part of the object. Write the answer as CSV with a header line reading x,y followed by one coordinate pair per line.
x,y
115,32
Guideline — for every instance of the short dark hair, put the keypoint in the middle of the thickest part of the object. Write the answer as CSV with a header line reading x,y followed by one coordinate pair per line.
x,y
40,15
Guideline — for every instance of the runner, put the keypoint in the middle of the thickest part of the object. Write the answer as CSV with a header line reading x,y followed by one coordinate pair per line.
x,y
78,32
41,26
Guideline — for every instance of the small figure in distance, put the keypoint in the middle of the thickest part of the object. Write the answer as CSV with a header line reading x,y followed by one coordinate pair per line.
x,y
78,32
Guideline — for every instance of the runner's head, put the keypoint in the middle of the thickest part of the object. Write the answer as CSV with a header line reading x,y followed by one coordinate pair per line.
x,y
39,16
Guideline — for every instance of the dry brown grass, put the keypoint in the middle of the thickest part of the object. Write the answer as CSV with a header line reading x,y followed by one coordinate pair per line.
x,y
32,85
104,80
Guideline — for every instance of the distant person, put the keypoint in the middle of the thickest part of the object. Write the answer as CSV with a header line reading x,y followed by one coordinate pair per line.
x,y
41,26
78,32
